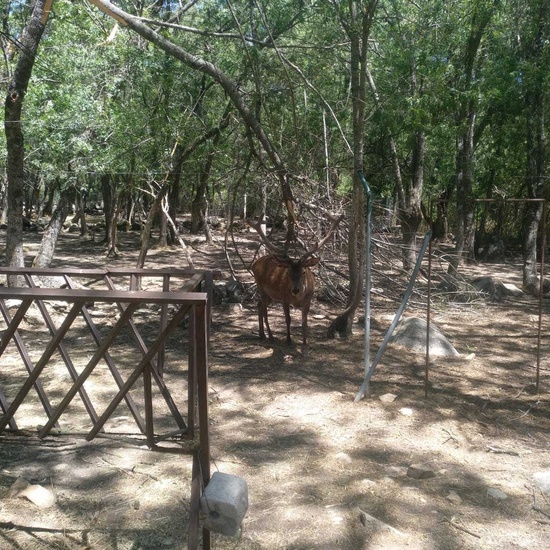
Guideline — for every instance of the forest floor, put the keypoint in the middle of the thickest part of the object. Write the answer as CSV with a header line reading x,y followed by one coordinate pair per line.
x,y
318,465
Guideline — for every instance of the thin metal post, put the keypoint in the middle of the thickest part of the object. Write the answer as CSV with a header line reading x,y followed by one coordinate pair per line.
x,y
368,283
365,386
541,290
428,320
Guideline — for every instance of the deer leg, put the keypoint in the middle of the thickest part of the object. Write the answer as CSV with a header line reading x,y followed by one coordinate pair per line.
x,y
305,311
286,308
261,316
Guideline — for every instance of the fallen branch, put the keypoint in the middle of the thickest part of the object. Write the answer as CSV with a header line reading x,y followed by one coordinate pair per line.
x,y
496,450
452,522
541,511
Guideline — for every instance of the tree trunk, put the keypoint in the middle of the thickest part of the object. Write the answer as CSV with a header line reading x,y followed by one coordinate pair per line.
x,y
358,31
441,224
154,211
534,180
108,195
411,216
467,73
112,235
536,143
49,240
29,41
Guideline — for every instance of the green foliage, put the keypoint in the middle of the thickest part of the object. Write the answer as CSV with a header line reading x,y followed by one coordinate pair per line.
x,y
111,102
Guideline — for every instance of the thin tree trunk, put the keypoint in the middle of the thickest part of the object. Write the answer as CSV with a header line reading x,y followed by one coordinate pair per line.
x,y
112,235
536,145
465,125
411,216
148,226
49,239
29,41
358,30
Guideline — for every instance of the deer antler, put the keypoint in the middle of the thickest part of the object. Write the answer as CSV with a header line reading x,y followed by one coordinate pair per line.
x,y
269,245
335,220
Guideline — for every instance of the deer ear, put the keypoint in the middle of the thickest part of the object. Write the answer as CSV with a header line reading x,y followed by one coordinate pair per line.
x,y
310,262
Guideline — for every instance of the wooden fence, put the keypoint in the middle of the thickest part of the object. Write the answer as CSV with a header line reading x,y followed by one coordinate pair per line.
x,y
126,317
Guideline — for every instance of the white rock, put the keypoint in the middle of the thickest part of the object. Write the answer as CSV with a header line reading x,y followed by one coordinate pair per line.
x,y
512,289
224,503
387,398
542,479
38,495
405,411
344,457
497,494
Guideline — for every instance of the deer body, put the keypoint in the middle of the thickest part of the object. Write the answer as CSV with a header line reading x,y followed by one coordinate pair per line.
x,y
282,279
286,281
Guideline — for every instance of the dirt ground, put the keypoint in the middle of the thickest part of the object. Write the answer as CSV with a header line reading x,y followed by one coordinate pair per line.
x,y
319,466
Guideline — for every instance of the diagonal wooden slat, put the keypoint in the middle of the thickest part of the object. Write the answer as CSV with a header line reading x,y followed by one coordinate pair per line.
x,y
110,363
96,357
23,352
161,339
63,352
154,371
13,323
41,363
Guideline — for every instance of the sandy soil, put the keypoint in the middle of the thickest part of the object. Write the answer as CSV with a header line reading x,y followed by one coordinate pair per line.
x,y
319,466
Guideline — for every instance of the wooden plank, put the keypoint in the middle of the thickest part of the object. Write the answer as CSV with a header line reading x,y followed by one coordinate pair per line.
x,y
109,296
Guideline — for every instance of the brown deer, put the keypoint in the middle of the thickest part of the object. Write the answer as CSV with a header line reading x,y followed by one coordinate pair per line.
x,y
279,278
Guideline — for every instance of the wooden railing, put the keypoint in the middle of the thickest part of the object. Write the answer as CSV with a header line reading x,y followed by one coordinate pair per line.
x,y
182,314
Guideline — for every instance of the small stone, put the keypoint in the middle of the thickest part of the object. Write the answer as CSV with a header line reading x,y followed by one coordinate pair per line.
x,y
405,411
542,479
470,356
344,457
38,495
454,497
319,316
387,398
420,471
497,494
368,483
396,471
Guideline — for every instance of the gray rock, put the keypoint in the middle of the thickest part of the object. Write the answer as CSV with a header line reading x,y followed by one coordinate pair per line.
x,y
224,504
411,333
497,494
420,471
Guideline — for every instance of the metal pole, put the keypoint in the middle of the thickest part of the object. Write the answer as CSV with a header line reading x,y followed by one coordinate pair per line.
x,y
368,239
428,320
408,292
541,290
